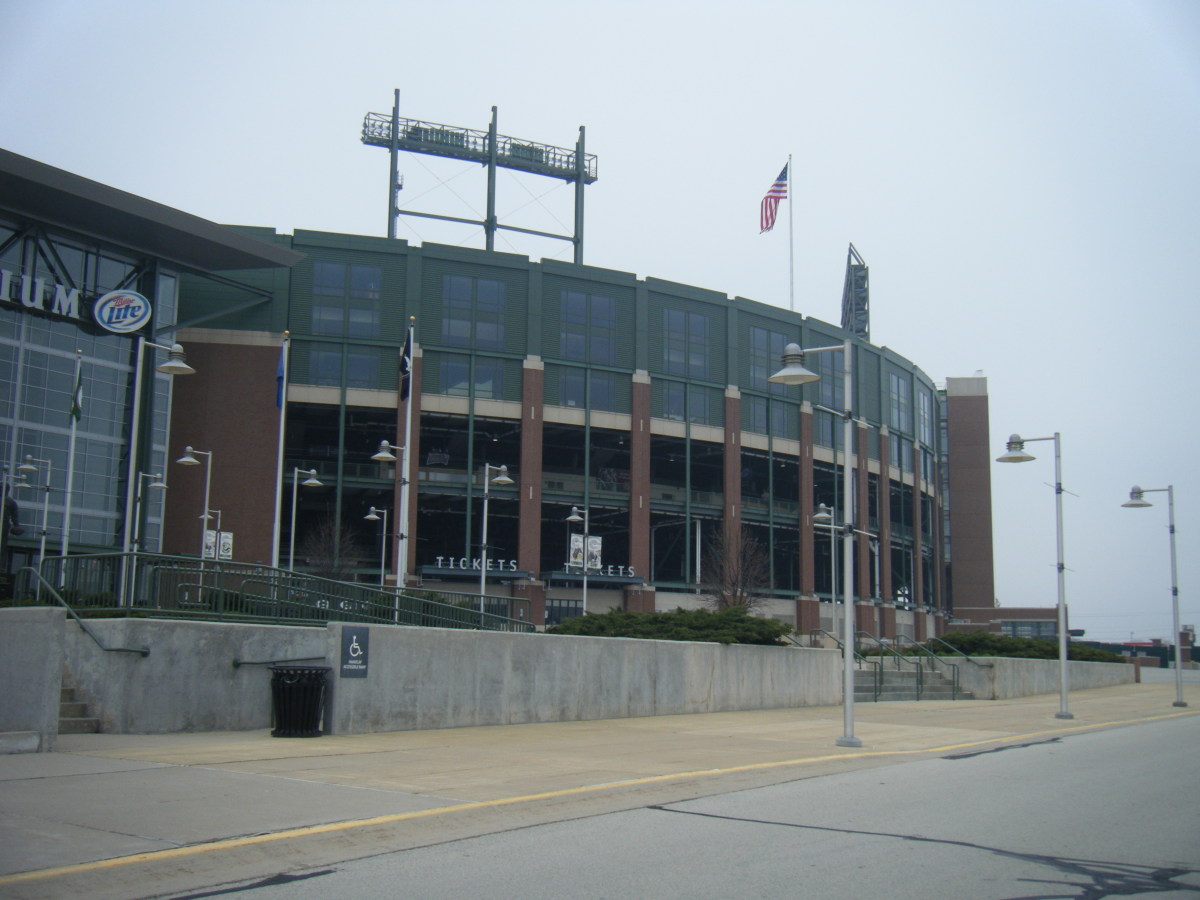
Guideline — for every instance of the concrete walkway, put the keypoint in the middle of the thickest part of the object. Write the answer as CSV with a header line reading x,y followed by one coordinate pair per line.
x,y
109,815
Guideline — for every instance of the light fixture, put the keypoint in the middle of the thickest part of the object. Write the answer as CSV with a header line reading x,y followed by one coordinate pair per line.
x,y
501,478
310,481
189,459
1137,500
581,515
375,515
1015,452
794,372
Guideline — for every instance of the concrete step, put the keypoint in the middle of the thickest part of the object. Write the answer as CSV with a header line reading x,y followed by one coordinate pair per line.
x,y
72,709
79,725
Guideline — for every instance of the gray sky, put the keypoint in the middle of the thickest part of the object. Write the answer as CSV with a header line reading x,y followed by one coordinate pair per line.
x,y
1021,176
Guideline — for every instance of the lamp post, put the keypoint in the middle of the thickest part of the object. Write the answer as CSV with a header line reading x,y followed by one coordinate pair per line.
x,y
581,515
501,478
1014,453
400,558
794,372
156,482
310,481
175,364
33,465
1137,500
374,515
189,459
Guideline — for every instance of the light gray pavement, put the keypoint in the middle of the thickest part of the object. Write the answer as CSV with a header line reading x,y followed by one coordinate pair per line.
x,y
148,815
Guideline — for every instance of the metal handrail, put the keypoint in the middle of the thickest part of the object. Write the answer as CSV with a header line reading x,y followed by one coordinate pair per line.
x,y
900,658
921,648
877,677
186,587
954,649
142,651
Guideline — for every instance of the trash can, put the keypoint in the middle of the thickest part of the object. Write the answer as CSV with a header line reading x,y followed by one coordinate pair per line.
x,y
298,700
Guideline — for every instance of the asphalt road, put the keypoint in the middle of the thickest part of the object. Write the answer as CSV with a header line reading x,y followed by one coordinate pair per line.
x,y
1084,815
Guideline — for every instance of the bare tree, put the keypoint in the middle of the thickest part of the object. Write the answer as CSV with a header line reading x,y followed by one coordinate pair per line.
x,y
735,569
330,551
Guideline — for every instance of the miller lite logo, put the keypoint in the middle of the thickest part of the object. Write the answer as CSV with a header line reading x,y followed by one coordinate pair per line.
x,y
122,312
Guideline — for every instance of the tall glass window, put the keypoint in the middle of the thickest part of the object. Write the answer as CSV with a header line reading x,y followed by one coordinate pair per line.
x,y
925,417
347,299
831,387
899,408
687,338
589,327
766,351
473,312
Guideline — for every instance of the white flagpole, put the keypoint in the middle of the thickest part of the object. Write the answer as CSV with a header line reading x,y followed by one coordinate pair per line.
x,y
791,240
400,562
76,414
285,352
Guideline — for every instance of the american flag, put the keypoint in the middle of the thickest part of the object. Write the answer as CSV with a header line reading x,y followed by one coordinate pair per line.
x,y
770,203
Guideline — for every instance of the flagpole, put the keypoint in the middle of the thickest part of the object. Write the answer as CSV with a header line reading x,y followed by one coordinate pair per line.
x,y
400,561
791,241
284,362
76,414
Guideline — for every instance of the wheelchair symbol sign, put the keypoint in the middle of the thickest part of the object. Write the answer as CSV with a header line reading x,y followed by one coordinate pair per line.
x,y
355,643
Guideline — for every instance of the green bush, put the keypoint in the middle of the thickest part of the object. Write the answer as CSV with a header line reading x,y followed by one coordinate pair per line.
x,y
987,643
729,626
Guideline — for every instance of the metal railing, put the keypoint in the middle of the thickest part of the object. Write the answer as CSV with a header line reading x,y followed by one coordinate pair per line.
x,y
860,660
41,582
920,649
140,584
898,659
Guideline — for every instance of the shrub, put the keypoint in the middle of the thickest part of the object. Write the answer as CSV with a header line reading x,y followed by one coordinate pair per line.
x,y
728,626
987,643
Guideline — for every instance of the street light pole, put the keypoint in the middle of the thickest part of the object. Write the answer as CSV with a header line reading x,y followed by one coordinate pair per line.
x,y
311,481
1015,452
400,558
501,478
582,515
794,372
189,459
374,515
32,464
1137,500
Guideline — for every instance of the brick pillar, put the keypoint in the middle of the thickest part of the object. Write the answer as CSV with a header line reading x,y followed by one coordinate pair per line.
x,y
807,556
732,468
918,590
862,516
887,620
886,592
639,598
529,529
639,475
529,601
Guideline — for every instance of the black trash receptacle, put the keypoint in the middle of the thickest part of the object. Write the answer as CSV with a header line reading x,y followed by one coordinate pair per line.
x,y
298,700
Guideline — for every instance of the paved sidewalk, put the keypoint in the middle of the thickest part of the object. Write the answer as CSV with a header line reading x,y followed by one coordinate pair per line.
x,y
132,797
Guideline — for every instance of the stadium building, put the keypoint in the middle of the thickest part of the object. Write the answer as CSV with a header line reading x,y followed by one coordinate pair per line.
x,y
540,400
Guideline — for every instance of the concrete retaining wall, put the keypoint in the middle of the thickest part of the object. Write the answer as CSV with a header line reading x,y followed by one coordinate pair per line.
x,y
31,668
420,678
1001,678
438,678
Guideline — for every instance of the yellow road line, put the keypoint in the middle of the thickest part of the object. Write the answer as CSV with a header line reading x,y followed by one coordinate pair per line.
x,y
392,818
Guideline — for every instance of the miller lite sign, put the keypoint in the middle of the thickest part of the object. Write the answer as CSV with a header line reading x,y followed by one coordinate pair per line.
x,y
122,312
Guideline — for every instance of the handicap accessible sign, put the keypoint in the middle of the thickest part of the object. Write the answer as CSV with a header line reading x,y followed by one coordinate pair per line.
x,y
355,642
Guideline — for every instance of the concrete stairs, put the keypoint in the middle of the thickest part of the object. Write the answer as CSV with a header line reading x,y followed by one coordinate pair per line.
x,y
903,685
73,715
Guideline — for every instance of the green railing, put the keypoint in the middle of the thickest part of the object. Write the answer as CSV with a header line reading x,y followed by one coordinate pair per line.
x,y
148,584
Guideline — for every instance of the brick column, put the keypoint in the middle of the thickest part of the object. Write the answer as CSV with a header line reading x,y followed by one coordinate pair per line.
x,y
639,475
886,591
529,500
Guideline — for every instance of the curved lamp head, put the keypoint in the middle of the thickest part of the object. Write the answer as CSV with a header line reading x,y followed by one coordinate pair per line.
x,y
187,459
1015,451
576,515
793,371
823,514
385,453
1137,498
175,364
373,514
156,482
502,476
27,465
311,480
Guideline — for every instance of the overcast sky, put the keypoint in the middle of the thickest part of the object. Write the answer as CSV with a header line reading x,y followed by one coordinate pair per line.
x,y
1020,175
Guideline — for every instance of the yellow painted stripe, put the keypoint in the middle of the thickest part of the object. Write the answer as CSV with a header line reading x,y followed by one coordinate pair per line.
x,y
352,824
